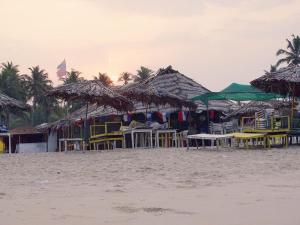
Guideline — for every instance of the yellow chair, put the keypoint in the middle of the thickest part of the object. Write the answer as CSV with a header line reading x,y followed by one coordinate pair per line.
x,y
2,145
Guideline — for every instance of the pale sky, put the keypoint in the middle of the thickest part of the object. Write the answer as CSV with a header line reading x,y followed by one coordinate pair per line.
x,y
215,42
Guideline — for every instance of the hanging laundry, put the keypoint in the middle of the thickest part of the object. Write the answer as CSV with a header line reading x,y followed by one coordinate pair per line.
x,y
149,116
164,117
181,116
212,115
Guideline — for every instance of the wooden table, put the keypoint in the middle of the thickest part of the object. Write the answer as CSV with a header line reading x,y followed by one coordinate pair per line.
x,y
166,132
219,138
133,137
274,138
66,140
247,138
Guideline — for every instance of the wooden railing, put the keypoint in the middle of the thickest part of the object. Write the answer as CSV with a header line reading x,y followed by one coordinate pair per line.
x,y
270,124
109,128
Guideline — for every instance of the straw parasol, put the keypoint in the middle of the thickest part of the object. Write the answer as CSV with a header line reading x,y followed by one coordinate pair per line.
x,y
285,81
7,102
91,91
170,86
149,94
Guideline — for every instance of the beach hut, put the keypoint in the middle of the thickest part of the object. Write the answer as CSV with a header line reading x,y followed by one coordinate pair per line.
x,y
28,139
8,105
285,81
91,91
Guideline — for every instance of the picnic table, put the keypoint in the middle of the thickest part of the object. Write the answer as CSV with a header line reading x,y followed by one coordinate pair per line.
x,y
220,139
77,142
146,132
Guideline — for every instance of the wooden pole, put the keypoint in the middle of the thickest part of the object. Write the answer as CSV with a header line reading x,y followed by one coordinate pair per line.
x,y
86,126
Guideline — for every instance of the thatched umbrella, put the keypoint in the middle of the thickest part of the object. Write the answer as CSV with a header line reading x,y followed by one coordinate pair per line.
x,y
255,106
91,91
285,81
9,104
149,94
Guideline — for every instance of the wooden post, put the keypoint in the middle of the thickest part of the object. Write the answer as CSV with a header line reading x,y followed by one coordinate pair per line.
x,y
86,127
9,143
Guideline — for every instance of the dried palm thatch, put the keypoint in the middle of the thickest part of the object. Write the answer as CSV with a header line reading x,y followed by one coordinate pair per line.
x,y
149,94
92,91
285,81
11,104
255,106
172,87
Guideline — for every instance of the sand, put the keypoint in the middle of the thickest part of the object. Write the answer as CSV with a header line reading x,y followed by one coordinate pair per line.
x,y
151,187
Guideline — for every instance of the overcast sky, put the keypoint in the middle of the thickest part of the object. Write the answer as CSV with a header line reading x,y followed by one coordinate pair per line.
x,y
215,42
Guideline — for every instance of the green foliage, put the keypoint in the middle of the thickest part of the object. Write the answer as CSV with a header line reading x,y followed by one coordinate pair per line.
x,y
292,54
125,77
11,83
104,78
72,77
37,84
142,74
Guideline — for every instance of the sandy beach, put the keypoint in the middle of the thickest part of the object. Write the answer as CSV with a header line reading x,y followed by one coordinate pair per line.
x,y
151,187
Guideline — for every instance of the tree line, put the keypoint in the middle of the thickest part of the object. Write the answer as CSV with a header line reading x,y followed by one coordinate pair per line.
x,y
32,88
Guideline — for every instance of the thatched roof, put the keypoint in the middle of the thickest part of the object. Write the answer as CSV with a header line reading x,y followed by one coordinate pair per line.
x,y
25,130
150,94
7,102
173,83
284,81
167,82
92,91
255,106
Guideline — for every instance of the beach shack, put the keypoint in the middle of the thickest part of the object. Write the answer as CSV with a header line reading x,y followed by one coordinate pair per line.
x,y
28,140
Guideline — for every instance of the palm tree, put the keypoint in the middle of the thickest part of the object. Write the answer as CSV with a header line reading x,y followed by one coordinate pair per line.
x,y
11,83
292,53
104,78
38,84
143,73
126,77
72,77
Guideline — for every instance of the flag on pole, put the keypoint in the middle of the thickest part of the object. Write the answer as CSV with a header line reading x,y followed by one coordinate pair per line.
x,y
62,70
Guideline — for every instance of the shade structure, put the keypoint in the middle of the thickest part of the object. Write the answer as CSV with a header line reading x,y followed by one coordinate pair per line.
x,y
285,81
237,92
9,103
254,106
92,91
147,93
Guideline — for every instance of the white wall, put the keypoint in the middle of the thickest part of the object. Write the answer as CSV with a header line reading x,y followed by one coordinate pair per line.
x,y
52,141
31,147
